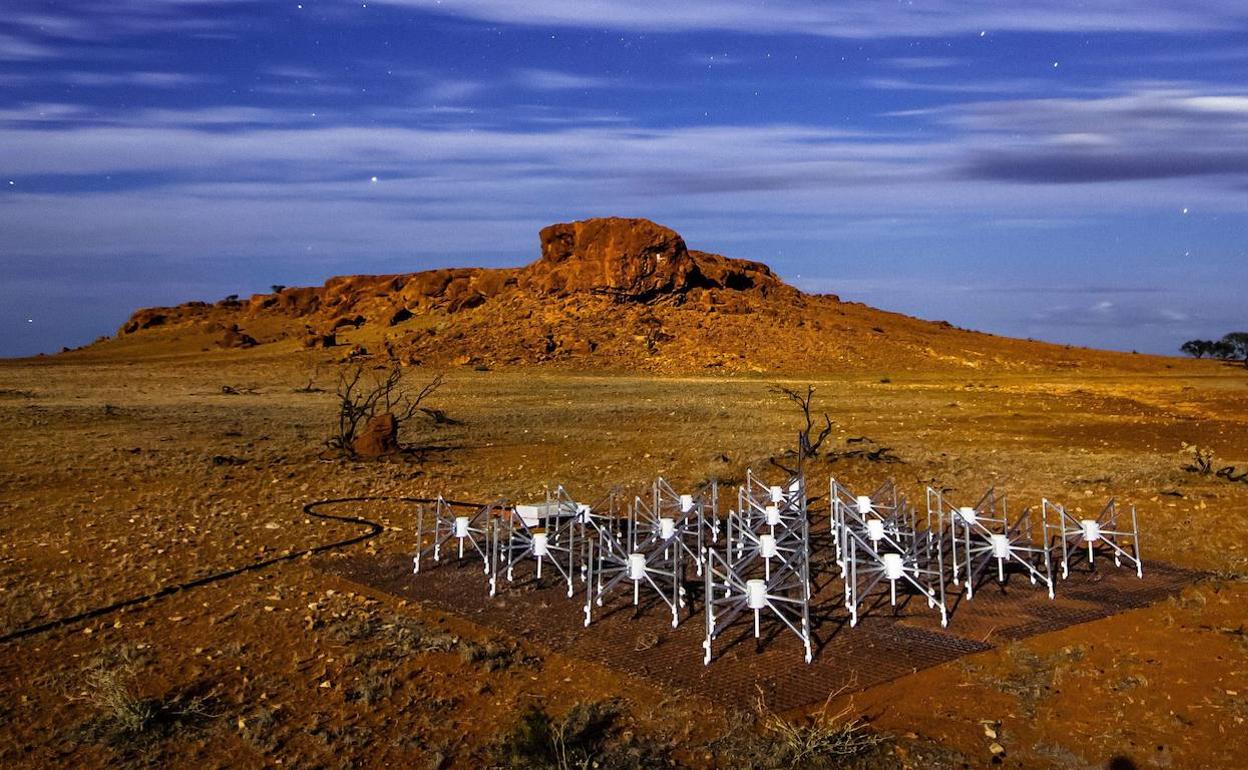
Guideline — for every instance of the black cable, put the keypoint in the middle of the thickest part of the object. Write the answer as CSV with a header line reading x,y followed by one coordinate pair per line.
x,y
374,529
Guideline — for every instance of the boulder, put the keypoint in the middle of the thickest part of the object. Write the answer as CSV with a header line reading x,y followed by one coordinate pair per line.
x,y
145,319
235,337
295,303
736,275
313,339
355,322
379,437
630,258
465,302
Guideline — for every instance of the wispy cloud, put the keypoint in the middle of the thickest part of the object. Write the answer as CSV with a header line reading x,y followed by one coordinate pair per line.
x,y
1140,137
924,62
15,48
452,90
1143,135
554,80
250,181
851,18
141,78
985,86
715,59
82,29
1114,313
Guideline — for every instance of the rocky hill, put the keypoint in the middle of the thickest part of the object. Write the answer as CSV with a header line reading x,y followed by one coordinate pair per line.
x,y
606,293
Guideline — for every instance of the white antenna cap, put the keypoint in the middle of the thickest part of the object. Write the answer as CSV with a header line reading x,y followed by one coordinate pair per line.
x,y
893,566
756,594
875,529
1091,530
636,566
773,515
1001,546
767,546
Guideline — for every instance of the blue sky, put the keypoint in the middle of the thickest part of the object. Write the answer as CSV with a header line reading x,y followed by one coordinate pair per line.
x,y
1069,171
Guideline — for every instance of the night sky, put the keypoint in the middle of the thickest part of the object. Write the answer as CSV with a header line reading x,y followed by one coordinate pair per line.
x,y
1069,171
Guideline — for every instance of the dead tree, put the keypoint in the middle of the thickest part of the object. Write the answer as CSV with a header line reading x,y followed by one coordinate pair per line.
x,y
363,396
809,438
1202,459
314,373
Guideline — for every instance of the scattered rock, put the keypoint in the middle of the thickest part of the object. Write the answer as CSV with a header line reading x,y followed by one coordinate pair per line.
x,y
378,438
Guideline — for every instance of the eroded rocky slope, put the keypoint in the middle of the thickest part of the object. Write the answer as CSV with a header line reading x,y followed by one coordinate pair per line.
x,y
605,293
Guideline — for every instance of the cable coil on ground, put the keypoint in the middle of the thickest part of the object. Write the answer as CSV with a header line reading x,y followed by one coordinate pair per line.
x,y
374,529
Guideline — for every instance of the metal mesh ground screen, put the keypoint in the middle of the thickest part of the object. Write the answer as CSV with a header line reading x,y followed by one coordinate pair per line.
x,y
887,643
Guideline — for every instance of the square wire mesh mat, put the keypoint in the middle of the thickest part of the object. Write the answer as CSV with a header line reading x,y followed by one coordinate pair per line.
x,y
886,644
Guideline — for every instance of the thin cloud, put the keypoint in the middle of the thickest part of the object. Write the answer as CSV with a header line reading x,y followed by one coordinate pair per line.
x,y
1144,135
553,80
144,78
849,18
923,62
1011,86
1111,313
15,48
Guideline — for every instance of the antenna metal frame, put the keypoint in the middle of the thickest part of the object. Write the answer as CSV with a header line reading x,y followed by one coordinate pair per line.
x,y
743,573
1100,534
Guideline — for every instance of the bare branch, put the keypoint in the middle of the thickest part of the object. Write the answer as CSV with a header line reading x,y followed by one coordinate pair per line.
x,y
360,400
807,447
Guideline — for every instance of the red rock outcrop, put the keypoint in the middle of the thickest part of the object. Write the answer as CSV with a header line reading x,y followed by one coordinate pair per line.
x,y
630,258
608,293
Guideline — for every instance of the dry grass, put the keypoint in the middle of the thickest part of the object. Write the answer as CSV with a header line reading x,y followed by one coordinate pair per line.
x,y
1028,676
826,738
126,718
589,735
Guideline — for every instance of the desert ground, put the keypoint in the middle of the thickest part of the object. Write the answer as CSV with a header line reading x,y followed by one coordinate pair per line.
x,y
123,474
